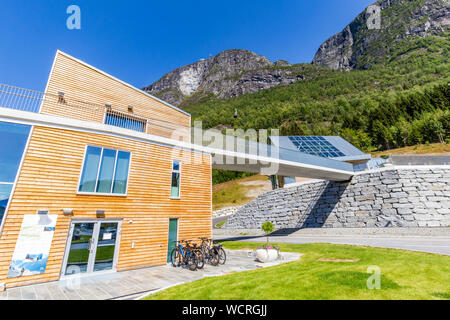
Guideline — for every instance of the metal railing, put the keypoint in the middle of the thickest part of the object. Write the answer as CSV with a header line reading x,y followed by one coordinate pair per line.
x,y
20,99
34,101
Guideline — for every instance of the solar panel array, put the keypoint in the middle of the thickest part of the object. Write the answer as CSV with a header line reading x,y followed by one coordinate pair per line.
x,y
317,146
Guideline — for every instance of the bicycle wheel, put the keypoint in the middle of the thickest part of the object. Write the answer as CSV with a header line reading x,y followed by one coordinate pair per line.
x,y
175,258
200,259
222,256
192,261
213,258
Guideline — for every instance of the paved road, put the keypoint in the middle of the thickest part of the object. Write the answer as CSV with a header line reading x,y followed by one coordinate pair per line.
x,y
432,244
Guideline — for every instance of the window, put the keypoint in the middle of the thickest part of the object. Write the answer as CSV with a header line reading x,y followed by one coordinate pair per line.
x,y
126,121
289,180
105,171
175,187
13,139
5,193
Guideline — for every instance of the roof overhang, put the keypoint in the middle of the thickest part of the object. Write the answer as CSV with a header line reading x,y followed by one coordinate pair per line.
x,y
236,161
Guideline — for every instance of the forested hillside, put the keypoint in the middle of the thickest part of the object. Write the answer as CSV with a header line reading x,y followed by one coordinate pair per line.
x,y
401,101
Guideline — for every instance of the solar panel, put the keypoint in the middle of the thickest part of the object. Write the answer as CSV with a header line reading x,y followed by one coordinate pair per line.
x,y
316,145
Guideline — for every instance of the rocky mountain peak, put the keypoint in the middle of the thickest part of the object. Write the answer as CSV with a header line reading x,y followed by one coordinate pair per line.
x,y
230,73
357,46
235,72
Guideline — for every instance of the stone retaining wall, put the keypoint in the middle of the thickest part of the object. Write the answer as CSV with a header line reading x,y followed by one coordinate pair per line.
x,y
225,212
392,197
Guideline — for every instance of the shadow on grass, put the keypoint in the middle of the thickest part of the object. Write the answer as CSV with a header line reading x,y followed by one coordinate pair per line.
x,y
441,295
354,279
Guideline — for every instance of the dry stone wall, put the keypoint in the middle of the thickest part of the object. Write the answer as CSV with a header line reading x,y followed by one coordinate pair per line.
x,y
394,197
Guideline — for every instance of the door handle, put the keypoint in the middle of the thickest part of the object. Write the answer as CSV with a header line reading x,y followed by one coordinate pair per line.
x,y
91,242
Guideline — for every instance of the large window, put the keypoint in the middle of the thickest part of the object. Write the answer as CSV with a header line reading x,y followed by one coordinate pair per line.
x,y
175,187
13,139
105,171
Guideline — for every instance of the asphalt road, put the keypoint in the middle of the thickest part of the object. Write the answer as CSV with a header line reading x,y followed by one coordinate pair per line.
x,y
432,244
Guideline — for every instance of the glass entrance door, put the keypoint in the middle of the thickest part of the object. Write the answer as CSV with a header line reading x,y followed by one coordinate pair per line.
x,y
92,247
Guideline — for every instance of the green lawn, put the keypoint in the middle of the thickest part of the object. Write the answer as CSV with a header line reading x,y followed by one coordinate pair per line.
x,y
221,223
404,275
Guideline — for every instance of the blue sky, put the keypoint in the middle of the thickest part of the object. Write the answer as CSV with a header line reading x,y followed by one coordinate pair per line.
x,y
139,41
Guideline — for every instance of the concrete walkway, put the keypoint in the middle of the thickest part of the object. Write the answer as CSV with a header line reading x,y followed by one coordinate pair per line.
x,y
425,240
134,284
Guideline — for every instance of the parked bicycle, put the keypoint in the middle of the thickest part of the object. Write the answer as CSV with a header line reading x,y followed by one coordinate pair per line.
x,y
208,253
198,253
220,252
184,256
214,253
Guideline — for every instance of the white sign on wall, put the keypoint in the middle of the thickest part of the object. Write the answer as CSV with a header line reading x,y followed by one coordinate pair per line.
x,y
33,245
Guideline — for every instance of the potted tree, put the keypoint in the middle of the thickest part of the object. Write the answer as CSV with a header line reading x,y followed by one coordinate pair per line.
x,y
267,253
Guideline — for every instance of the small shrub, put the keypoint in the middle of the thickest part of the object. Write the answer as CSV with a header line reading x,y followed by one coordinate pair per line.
x,y
268,228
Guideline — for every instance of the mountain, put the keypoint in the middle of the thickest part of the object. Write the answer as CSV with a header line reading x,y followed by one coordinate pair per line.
x,y
358,47
229,74
236,72
394,93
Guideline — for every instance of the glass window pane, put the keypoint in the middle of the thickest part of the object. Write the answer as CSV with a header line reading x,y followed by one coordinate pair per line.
x,y
90,169
106,171
175,190
176,166
13,138
80,248
104,257
121,177
5,192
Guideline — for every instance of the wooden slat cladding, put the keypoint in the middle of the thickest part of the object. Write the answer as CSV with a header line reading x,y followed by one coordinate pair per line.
x,y
81,82
49,180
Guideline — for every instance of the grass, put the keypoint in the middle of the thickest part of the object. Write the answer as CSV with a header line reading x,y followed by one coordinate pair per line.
x,y
221,223
234,193
404,275
421,149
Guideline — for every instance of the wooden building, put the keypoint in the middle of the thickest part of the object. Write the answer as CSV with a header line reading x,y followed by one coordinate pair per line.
x,y
96,179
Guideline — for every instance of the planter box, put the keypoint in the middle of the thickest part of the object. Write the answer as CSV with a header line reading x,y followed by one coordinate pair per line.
x,y
266,255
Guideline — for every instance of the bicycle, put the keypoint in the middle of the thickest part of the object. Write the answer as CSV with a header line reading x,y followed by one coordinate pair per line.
x,y
209,253
183,256
220,252
198,252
